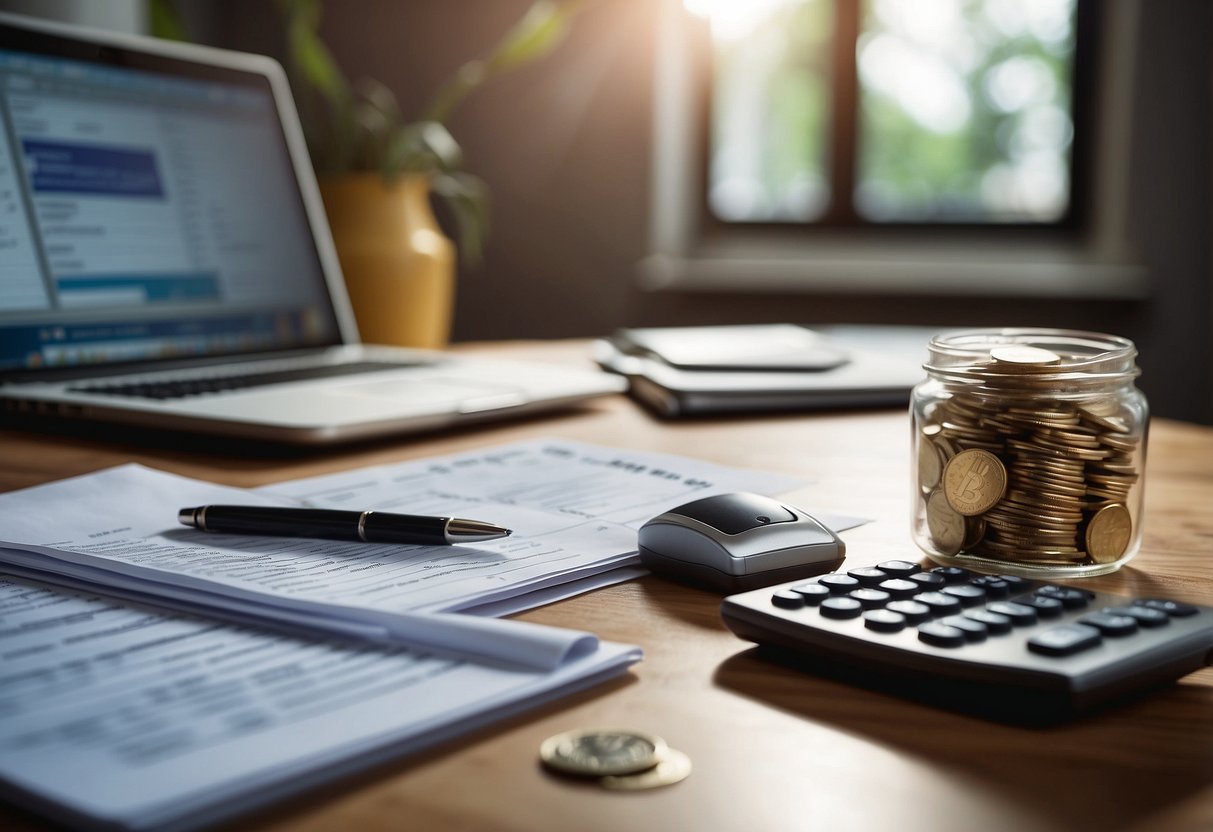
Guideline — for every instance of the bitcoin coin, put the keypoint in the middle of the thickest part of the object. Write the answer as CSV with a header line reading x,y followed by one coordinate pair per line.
x,y
974,481
597,751
673,769
930,462
1108,533
947,527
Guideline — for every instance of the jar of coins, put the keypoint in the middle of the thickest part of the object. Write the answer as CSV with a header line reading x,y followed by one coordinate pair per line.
x,y
1029,447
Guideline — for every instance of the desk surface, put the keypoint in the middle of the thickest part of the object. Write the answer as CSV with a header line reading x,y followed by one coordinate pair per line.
x,y
772,748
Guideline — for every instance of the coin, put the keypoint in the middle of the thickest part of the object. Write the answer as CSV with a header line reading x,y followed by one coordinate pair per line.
x,y
930,462
946,526
598,751
1108,533
673,769
1024,356
974,481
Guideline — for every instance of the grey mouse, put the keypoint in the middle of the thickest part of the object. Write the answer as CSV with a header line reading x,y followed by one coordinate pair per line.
x,y
740,541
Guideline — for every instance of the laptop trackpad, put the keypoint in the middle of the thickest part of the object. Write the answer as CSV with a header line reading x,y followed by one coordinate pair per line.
x,y
435,394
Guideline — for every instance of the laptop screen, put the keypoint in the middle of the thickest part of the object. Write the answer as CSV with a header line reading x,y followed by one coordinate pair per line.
x,y
148,210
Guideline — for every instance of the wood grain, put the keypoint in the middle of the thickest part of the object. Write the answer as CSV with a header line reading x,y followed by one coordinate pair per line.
x,y
773,748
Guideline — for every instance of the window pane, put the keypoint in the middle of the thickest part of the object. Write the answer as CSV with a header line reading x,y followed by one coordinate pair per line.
x,y
965,110
770,108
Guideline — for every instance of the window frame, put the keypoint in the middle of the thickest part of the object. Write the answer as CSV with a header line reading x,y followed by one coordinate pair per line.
x,y
1086,255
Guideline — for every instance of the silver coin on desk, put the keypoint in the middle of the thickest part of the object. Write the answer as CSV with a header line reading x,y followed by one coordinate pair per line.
x,y
597,751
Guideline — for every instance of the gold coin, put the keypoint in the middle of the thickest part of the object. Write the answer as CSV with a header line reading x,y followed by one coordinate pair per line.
x,y
1108,533
1023,356
974,481
930,463
946,526
597,751
673,769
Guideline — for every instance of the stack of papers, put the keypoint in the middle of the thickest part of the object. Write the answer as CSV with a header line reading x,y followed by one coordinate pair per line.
x,y
318,656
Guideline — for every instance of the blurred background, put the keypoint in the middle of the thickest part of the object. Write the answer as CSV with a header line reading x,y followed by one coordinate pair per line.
x,y
947,163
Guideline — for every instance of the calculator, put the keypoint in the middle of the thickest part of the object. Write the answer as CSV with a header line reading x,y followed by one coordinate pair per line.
x,y
997,646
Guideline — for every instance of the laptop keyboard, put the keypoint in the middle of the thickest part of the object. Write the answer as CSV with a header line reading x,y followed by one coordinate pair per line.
x,y
180,388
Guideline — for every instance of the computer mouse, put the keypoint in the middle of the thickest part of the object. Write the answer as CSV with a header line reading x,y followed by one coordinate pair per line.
x,y
739,541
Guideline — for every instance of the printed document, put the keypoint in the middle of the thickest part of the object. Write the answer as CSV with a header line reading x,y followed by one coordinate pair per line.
x,y
115,714
574,509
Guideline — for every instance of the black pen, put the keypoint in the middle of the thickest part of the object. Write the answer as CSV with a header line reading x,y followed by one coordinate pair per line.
x,y
367,526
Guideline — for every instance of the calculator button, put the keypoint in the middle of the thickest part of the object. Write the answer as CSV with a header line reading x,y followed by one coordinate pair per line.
x,y
974,631
898,568
1110,624
838,584
900,587
1045,607
841,608
867,575
884,621
870,598
951,574
1016,583
914,612
787,599
812,593
938,603
1071,599
994,586
940,635
1064,640
967,594
927,580
1145,616
1171,608
1021,615
995,622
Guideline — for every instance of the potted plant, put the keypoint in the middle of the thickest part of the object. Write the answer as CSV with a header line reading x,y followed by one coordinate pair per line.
x,y
377,170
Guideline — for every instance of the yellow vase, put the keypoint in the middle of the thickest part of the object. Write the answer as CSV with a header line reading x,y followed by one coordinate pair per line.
x,y
399,267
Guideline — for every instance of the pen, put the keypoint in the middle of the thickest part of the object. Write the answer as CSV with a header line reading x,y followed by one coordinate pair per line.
x,y
367,526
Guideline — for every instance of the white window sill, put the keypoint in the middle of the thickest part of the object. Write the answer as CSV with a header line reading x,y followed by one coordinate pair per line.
x,y
958,270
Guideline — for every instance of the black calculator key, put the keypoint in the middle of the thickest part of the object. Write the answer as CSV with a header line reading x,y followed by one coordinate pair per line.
x,y
940,635
812,593
1171,608
995,622
841,608
1071,599
967,594
974,631
1045,607
994,586
898,568
927,580
1064,640
837,583
870,598
1144,616
939,603
914,612
1110,624
900,587
884,621
1016,583
867,575
951,574
1021,615
787,599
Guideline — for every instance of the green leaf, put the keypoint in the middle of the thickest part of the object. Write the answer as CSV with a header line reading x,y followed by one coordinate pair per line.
x,y
540,31
165,22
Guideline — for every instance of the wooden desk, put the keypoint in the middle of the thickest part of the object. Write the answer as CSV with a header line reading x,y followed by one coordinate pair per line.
x,y
773,749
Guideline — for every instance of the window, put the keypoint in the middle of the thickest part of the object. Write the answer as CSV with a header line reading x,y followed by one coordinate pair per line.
x,y
793,135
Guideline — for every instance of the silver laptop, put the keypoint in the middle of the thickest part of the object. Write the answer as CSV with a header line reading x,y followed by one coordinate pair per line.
x,y
165,260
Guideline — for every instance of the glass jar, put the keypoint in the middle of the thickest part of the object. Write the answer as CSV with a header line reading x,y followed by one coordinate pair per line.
x,y
1028,451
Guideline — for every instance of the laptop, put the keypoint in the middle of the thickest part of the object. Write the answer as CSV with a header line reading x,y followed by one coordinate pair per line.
x,y
165,259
